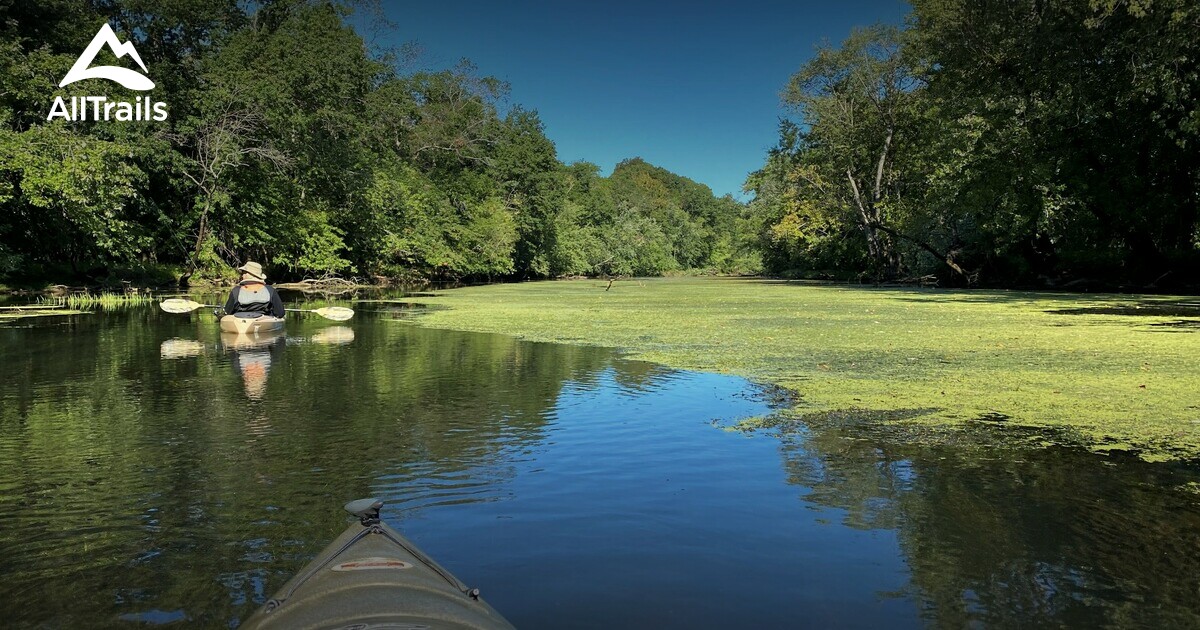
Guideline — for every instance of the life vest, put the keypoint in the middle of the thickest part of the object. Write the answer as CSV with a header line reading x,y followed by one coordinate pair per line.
x,y
256,300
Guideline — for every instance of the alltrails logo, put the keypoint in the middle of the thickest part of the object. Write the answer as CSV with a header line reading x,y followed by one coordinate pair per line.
x,y
100,107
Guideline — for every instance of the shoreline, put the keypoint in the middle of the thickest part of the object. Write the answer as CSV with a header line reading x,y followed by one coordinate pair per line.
x,y
1079,287
1114,372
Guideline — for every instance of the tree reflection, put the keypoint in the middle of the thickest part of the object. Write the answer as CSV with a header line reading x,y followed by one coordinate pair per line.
x,y
148,452
1000,533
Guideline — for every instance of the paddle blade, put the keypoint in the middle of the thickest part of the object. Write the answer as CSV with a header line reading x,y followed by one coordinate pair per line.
x,y
179,305
336,313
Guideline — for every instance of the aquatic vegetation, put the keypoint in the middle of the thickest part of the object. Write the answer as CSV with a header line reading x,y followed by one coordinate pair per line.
x,y
98,301
9,314
75,304
1113,372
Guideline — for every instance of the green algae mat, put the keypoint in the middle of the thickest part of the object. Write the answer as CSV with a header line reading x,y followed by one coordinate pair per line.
x,y
1112,372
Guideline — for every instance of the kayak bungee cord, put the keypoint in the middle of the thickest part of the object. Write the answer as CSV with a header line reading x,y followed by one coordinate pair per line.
x,y
369,518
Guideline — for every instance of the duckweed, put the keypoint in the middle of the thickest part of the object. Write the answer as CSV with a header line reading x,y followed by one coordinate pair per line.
x,y
1115,372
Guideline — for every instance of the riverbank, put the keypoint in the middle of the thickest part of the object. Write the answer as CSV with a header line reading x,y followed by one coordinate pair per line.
x,y
1112,372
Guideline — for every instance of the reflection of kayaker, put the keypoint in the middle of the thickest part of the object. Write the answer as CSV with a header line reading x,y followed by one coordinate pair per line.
x,y
253,305
372,577
252,356
236,342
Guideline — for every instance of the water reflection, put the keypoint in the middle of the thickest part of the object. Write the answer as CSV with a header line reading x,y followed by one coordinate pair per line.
x,y
251,357
996,532
127,444
579,490
333,336
177,348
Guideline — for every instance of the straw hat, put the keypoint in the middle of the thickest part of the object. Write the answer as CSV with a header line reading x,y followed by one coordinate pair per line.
x,y
253,269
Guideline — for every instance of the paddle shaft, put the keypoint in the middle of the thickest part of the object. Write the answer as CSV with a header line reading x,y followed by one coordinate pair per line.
x,y
179,305
335,313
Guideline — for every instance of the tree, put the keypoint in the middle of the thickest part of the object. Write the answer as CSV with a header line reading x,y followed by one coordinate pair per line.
x,y
226,136
855,99
1079,129
292,142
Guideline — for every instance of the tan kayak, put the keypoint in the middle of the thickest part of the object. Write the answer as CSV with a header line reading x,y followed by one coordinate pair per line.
x,y
251,325
372,577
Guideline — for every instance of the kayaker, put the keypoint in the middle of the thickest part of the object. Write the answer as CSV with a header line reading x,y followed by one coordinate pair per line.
x,y
253,294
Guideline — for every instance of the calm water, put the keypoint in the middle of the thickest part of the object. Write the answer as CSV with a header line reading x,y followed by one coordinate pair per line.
x,y
152,472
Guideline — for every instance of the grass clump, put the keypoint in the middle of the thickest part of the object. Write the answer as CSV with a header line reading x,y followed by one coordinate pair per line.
x,y
98,301
1109,369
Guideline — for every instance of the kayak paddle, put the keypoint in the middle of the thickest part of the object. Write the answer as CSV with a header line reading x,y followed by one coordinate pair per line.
x,y
336,313
180,305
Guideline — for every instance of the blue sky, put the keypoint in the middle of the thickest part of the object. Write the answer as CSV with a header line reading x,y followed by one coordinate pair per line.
x,y
689,86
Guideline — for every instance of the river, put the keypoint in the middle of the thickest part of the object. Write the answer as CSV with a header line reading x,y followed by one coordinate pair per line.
x,y
153,472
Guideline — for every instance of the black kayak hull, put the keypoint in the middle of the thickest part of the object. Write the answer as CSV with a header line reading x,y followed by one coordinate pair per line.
x,y
372,577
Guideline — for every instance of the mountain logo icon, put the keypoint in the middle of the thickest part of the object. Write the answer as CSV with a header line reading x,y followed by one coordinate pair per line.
x,y
126,77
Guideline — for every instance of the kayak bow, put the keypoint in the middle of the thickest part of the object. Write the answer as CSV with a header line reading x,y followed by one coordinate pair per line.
x,y
372,577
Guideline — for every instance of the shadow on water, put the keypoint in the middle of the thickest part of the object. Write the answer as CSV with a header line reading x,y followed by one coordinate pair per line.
x,y
396,309
1112,304
1140,308
1183,325
939,295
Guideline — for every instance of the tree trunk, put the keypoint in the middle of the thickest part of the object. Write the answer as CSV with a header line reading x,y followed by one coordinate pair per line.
x,y
201,235
877,194
864,214
879,247
947,257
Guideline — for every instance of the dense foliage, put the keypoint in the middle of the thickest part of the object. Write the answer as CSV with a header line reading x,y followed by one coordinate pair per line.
x,y
1000,143
994,143
290,142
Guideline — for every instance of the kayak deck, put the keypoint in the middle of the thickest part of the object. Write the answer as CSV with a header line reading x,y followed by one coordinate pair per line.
x,y
251,325
369,577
